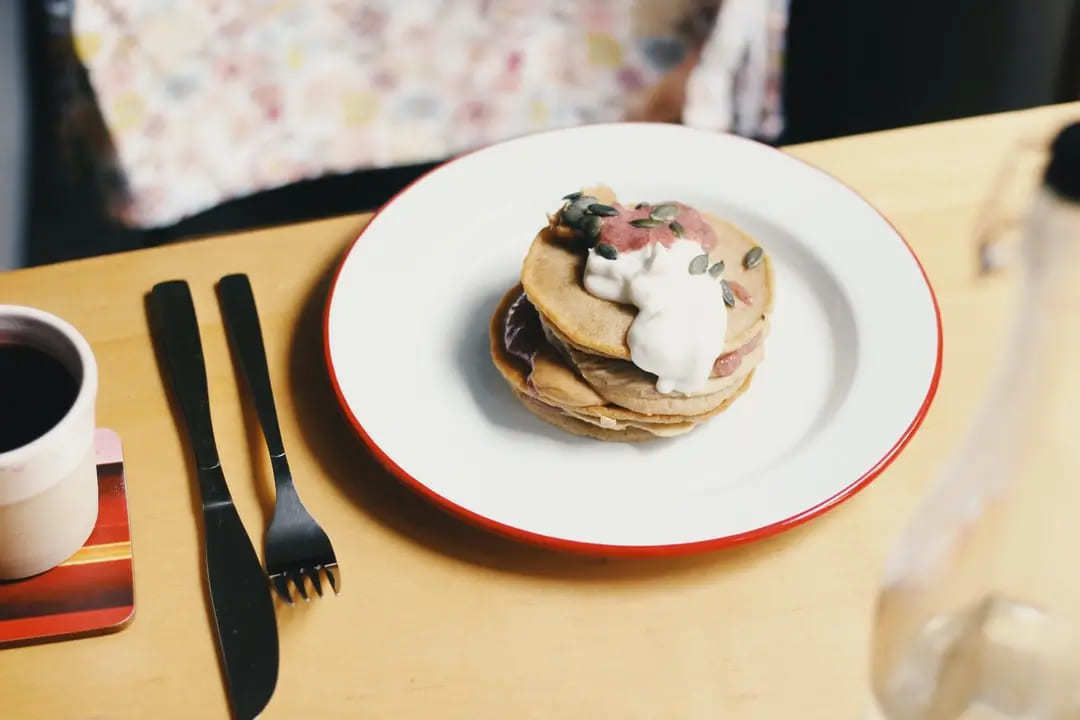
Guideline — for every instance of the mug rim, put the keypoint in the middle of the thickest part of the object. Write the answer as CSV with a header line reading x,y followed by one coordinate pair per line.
x,y
87,388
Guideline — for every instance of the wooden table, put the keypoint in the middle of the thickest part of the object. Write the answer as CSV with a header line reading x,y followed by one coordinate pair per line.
x,y
439,619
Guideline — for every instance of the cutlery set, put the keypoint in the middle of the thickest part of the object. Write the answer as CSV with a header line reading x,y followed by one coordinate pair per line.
x,y
296,548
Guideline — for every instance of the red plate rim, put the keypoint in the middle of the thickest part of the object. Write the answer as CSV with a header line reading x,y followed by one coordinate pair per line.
x,y
603,549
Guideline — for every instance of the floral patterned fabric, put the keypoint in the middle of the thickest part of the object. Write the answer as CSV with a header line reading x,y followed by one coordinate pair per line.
x,y
206,100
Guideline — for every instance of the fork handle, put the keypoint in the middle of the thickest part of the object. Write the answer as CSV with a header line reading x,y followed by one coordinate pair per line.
x,y
176,330
242,321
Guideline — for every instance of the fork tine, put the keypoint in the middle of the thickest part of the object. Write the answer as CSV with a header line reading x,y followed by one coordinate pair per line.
x,y
333,576
298,580
281,584
313,574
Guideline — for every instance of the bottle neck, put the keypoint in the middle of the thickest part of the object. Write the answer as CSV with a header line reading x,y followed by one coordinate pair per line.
x,y
1050,258
1036,386
1036,382
1040,383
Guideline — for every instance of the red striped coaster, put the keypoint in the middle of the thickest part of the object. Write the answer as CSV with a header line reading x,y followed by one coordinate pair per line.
x,y
93,590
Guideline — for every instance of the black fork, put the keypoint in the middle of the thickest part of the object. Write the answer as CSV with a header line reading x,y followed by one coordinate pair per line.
x,y
296,547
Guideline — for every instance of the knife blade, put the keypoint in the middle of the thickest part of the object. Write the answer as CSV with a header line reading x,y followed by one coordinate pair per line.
x,y
239,592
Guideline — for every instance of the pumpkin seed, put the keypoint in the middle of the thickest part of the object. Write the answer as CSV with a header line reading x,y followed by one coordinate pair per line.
x,y
592,226
699,264
606,251
575,214
752,257
645,223
641,205
601,209
572,216
572,196
664,212
729,297
716,269
677,229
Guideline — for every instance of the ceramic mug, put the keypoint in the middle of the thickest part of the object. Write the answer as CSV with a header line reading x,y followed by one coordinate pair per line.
x,y
48,475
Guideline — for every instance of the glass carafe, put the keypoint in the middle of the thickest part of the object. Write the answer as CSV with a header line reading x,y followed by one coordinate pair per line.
x,y
979,611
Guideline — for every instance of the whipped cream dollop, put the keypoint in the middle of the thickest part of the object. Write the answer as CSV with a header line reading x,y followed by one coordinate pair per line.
x,y
681,322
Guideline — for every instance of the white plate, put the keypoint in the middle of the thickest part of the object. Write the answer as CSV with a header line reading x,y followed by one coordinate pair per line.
x,y
852,360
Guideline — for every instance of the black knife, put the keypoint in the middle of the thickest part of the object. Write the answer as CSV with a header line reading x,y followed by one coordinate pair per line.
x,y
239,591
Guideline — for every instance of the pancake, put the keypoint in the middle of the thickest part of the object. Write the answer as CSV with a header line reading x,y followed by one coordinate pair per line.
x,y
626,386
625,433
550,389
623,383
598,386
657,423
577,427
552,277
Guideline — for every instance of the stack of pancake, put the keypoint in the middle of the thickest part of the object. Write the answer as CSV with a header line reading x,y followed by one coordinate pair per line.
x,y
564,351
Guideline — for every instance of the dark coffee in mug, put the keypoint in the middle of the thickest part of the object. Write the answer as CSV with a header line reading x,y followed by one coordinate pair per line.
x,y
36,391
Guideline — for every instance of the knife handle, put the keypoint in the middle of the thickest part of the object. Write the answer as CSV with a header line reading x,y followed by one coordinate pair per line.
x,y
177,333
242,321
